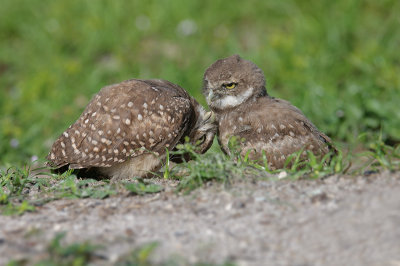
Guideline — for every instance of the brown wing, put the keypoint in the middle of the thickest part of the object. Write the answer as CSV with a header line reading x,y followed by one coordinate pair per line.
x,y
123,121
278,128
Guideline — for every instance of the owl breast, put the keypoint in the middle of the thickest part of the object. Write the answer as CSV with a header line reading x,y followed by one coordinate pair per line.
x,y
272,128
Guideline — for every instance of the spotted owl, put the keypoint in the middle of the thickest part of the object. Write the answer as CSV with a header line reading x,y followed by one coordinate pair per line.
x,y
235,91
126,128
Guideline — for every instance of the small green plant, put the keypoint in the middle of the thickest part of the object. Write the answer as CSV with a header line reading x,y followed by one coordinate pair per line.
x,y
76,254
211,166
228,263
14,182
139,256
215,166
381,156
142,187
13,208
73,187
314,167
167,165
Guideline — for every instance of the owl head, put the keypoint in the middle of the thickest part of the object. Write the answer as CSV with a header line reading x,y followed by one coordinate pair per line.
x,y
202,134
232,81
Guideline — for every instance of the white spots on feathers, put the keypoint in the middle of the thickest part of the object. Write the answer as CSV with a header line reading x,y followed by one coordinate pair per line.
x,y
275,136
117,129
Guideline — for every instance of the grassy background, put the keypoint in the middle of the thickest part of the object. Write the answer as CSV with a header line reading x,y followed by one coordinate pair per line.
x,y
339,61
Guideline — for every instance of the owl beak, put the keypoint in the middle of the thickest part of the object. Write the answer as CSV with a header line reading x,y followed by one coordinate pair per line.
x,y
209,117
211,96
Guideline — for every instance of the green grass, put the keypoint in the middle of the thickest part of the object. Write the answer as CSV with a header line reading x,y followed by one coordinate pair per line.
x,y
23,190
84,253
59,254
338,61
227,169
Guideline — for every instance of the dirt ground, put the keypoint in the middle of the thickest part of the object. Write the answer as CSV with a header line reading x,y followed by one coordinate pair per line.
x,y
335,221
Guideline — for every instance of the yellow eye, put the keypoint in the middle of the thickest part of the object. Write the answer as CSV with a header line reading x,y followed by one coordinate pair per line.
x,y
230,85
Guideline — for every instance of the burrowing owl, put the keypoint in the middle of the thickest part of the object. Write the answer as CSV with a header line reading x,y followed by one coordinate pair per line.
x,y
125,129
235,91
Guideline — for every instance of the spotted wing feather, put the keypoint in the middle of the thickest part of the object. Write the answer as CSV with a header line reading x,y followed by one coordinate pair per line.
x,y
123,121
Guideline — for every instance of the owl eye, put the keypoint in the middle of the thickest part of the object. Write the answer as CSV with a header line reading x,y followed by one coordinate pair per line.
x,y
230,86
201,140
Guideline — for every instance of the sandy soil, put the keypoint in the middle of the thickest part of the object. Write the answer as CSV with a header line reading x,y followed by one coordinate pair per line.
x,y
335,221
